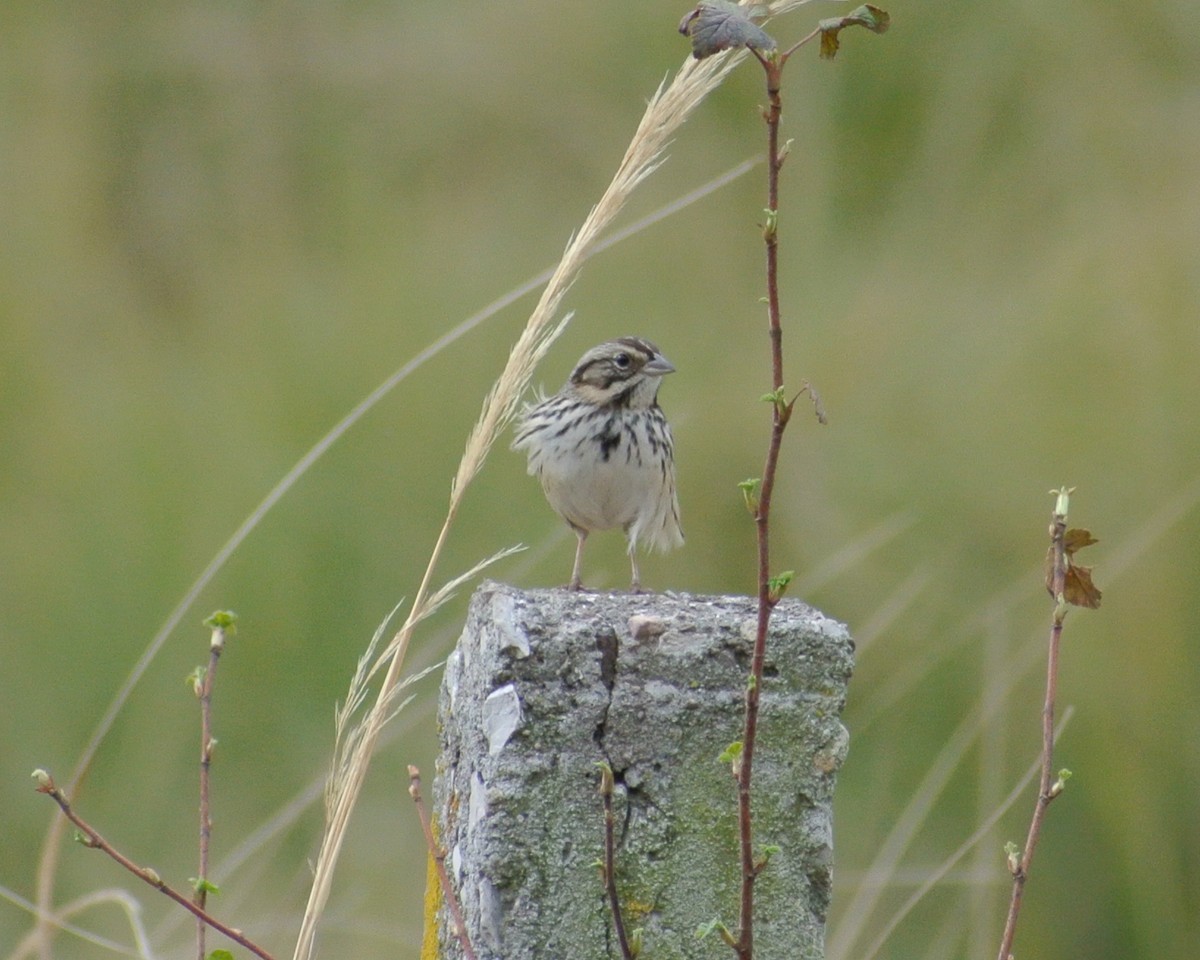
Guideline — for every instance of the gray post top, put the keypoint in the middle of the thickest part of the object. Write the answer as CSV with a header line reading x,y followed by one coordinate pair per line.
x,y
543,684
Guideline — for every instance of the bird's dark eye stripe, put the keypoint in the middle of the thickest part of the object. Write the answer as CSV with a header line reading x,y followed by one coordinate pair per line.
x,y
604,370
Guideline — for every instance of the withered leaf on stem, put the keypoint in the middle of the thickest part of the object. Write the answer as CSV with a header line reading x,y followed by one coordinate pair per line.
x,y
717,25
1076,540
1078,588
868,15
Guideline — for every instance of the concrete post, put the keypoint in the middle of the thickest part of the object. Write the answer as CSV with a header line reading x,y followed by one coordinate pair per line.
x,y
545,683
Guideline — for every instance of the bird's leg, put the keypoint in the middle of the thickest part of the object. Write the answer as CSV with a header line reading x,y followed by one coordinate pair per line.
x,y
581,536
635,585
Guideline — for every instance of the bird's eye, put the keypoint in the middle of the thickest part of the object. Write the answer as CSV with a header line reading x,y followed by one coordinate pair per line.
x,y
622,361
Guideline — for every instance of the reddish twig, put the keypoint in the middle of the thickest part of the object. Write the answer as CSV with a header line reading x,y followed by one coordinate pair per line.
x,y
769,590
439,861
1048,788
768,595
91,838
220,623
607,786
712,31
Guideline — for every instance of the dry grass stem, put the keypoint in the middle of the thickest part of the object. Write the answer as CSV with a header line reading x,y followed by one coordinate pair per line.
x,y
780,7
667,110
122,899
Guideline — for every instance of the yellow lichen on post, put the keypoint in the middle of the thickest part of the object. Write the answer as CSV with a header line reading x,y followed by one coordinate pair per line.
x,y
433,900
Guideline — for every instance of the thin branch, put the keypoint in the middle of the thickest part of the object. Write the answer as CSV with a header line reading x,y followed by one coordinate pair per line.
x,y
92,838
1048,788
799,43
770,589
768,595
220,622
439,862
610,860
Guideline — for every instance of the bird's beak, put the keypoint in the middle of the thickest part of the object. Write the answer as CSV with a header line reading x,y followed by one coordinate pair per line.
x,y
660,366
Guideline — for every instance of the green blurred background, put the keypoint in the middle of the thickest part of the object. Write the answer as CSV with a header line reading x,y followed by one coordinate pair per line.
x,y
225,223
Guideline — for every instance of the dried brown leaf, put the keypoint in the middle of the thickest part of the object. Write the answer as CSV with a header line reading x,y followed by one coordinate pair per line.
x,y
1076,540
1078,588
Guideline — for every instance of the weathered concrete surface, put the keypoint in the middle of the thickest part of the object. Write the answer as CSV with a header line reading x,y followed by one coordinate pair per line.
x,y
545,683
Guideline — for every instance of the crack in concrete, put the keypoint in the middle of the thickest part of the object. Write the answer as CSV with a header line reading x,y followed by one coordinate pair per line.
x,y
609,645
